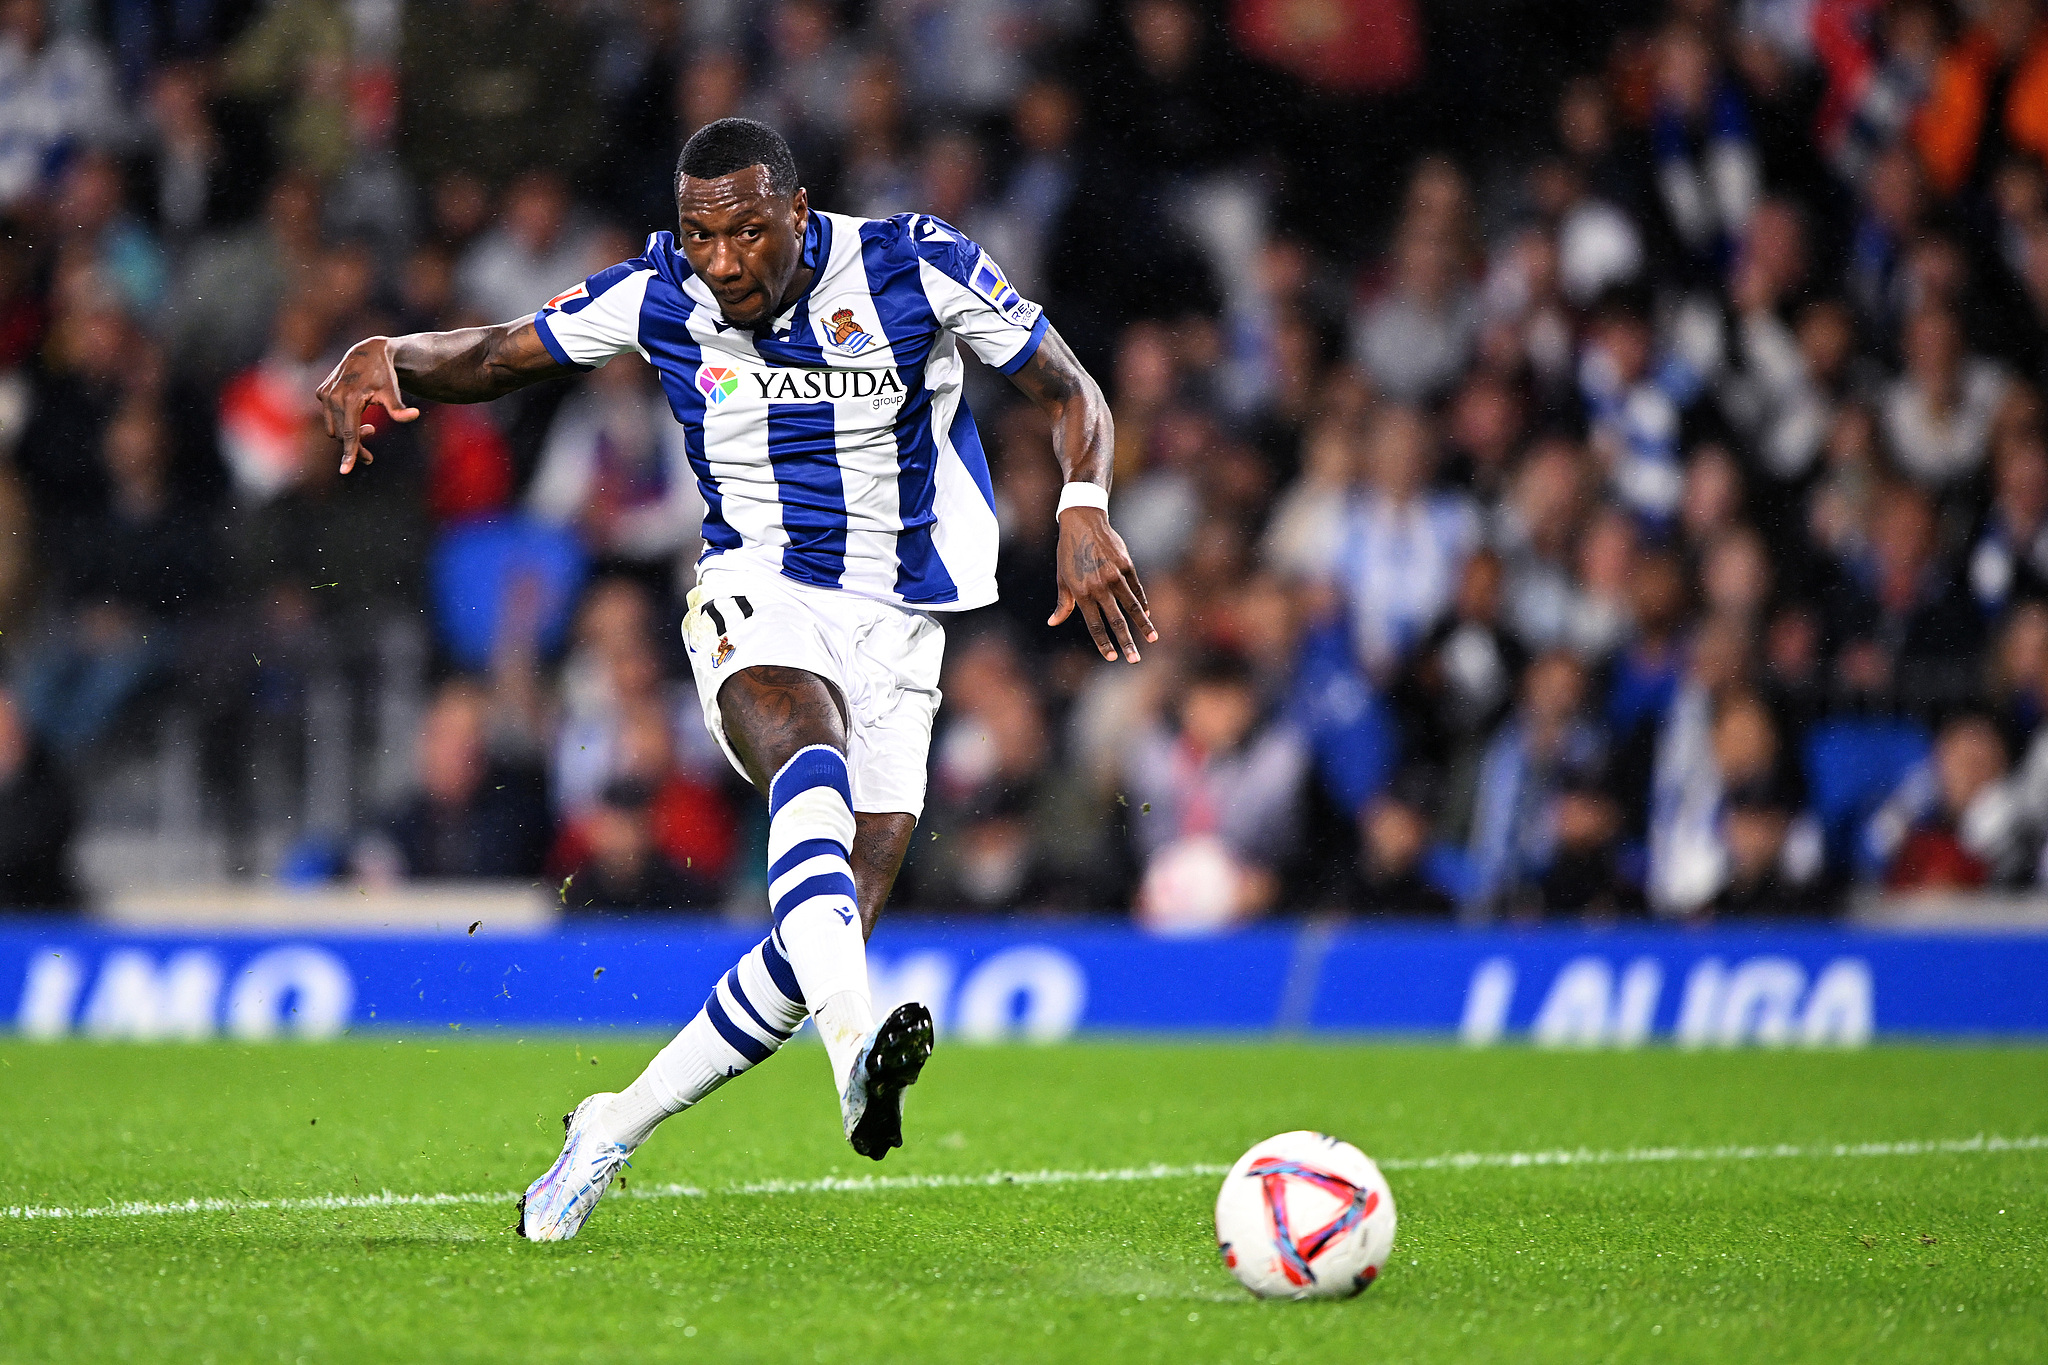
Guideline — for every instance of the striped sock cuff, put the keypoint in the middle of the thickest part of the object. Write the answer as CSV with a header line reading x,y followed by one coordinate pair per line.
x,y
818,765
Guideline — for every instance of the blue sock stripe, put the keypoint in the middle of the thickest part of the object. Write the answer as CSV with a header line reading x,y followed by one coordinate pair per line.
x,y
820,765
780,972
737,1038
824,884
808,848
733,989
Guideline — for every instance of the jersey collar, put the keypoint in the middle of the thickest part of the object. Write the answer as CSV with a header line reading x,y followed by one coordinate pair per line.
x,y
794,321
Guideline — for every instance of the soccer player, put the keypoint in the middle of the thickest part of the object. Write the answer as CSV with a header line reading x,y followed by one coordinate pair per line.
x,y
813,362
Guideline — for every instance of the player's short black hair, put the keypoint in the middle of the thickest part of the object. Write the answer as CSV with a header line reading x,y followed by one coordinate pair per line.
x,y
733,144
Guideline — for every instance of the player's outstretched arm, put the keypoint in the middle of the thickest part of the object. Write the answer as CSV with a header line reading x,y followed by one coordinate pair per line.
x,y
1095,570
473,365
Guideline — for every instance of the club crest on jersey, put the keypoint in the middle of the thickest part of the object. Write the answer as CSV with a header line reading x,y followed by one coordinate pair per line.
x,y
723,652
716,383
847,335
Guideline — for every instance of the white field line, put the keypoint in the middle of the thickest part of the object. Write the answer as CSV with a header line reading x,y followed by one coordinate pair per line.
x,y
1454,1161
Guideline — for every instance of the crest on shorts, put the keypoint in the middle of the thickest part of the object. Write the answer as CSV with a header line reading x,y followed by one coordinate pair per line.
x,y
723,652
848,335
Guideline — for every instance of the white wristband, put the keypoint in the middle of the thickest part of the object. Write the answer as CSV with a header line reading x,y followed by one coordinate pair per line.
x,y
1080,493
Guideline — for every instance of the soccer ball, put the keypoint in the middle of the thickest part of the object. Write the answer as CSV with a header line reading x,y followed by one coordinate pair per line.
x,y
1304,1216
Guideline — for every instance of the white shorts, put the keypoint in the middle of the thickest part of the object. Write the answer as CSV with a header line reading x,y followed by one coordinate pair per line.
x,y
883,658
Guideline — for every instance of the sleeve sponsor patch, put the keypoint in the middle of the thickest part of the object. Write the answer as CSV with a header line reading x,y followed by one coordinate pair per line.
x,y
989,282
569,300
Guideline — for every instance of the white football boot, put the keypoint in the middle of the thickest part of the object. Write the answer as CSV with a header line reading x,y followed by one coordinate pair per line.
x,y
887,1064
554,1207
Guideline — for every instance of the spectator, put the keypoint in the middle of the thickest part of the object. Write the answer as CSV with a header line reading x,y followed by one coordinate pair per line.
x,y
1394,835
1938,412
540,248
1702,847
264,409
1544,829
1463,676
89,366
1791,382
1903,619
1530,325
1415,339
627,678
1606,569
1484,433
802,88
1949,826
1644,676
1401,547
37,820
1874,95
101,234
222,309
186,184
625,868
1862,503
1535,533
56,96
615,466
1735,577
878,178
1686,778
969,59
1214,801
1770,872
125,579
297,54
474,812
1636,403
1707,169
1990,87
2009,560
1024,222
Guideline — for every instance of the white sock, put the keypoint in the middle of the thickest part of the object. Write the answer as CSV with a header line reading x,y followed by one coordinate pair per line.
x,y
816,952
810,887
843,1022
748,1015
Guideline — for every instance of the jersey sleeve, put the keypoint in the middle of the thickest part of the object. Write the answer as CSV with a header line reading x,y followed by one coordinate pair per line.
x,y
972,298
598,319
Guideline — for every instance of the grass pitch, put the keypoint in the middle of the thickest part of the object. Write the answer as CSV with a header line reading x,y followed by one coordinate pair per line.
x,y
1937,1255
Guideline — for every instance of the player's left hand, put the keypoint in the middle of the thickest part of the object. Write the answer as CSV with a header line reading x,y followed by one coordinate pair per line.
x,y
1096,575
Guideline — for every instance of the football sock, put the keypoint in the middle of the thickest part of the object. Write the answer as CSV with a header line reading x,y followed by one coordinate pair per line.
x,y
748,1015
816,952
810,888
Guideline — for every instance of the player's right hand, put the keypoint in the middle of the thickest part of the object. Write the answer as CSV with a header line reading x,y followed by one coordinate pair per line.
x,y
365,375
1095,575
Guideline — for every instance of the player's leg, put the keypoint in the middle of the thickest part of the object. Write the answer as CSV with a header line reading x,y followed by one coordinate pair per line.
x,y
879,843
788,727
761,1001
749,1014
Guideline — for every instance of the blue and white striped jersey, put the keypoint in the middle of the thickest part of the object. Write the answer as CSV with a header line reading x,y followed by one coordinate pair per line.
x,y
837,450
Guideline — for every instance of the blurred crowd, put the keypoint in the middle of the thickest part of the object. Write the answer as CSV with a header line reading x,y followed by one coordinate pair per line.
x,y
1601,482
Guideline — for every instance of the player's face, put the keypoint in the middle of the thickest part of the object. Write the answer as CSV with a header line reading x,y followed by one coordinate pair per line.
x,y
745,243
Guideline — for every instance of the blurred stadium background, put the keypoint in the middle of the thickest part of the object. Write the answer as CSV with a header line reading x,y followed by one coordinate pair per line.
x,y
1588,458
